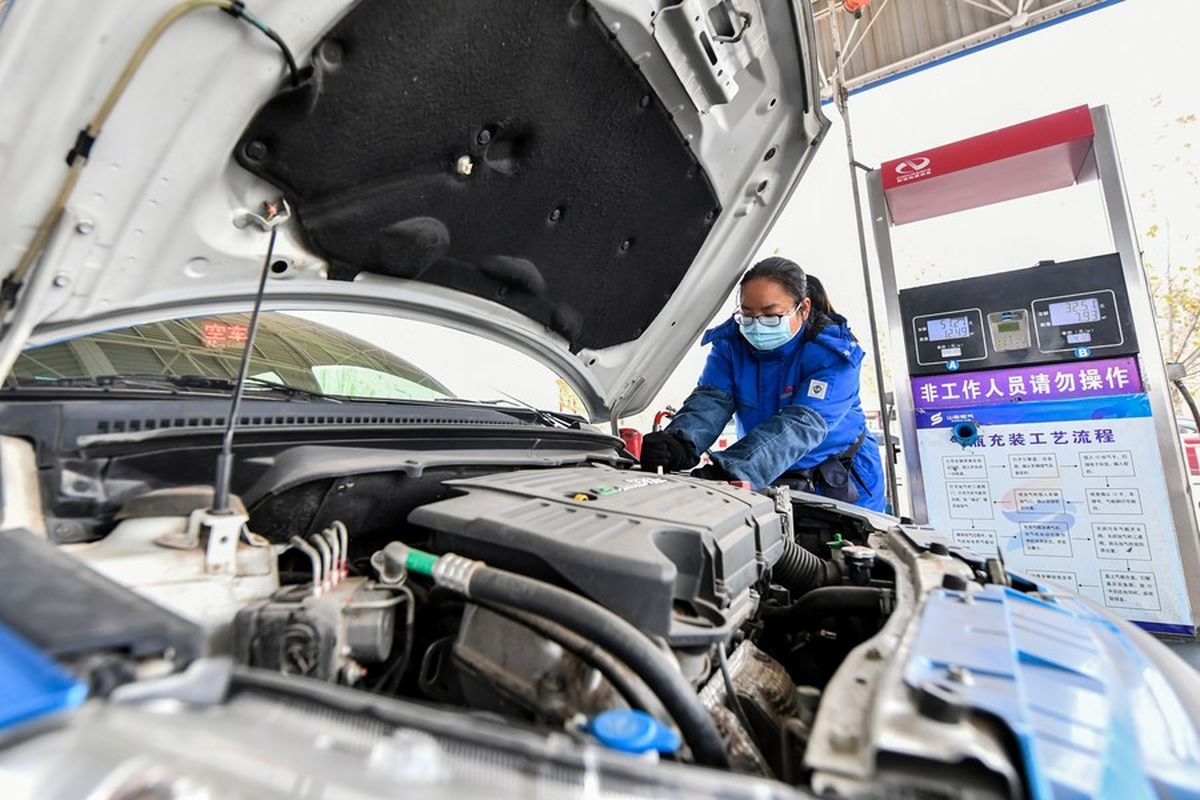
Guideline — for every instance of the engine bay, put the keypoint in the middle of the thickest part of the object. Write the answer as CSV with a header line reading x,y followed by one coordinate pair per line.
x,y
585,597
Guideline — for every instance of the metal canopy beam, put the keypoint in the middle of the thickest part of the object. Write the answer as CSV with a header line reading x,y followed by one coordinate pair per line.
x,y
891,38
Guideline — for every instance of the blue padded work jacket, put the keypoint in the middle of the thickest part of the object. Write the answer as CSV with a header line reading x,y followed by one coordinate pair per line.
x,y
796,407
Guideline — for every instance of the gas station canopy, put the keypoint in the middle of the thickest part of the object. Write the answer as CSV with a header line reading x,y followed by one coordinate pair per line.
x,y
882,40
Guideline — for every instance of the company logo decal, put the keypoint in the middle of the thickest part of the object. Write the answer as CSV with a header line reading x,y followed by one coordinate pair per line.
x,y
912,168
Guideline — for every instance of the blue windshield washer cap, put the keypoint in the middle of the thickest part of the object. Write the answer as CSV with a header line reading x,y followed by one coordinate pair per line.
x,y
633,732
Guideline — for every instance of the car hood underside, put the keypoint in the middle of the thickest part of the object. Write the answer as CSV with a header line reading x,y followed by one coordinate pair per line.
x,y
585,181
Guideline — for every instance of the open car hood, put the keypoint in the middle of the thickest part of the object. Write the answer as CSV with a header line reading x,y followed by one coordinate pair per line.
x,y
583,181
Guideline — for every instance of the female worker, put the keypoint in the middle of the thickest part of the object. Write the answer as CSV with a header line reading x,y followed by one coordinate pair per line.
x,y
788,372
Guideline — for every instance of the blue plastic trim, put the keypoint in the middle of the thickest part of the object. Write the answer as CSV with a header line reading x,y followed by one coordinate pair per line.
x,y
31,685
1091,715
978,48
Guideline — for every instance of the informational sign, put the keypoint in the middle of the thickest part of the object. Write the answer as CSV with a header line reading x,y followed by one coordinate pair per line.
x,y
1022,384
1064,480
219,334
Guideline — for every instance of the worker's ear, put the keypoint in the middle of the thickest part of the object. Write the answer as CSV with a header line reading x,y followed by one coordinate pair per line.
x,y
805,308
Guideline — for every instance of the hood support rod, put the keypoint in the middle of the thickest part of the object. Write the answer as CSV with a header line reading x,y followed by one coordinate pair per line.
x,y
275,213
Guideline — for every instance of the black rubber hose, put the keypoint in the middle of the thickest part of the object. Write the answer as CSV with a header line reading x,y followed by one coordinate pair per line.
x,y
825,601
617,637
624,680
1191,402
800,571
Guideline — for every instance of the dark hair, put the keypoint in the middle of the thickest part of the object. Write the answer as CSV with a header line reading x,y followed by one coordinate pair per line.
x,y
783,271
820,300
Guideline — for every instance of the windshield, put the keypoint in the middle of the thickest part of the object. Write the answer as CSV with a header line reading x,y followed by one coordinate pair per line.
x,y
474,367
288,350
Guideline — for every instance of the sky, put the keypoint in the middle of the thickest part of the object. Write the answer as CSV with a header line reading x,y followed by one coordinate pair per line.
x,y
1134,57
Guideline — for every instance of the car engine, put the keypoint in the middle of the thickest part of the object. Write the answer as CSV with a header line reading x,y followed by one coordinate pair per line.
x,y
552,597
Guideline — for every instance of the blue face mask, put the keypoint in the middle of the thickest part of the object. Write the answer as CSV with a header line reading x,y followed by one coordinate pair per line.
x,y
764,338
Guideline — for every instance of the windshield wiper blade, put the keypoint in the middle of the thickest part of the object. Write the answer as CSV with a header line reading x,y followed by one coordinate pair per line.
x,y
108,381
292,391
172,382
547,418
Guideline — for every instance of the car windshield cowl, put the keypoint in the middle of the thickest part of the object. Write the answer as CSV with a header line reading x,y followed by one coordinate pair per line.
x,y
207,386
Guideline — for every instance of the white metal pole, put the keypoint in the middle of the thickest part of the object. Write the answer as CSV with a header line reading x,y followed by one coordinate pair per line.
x,y
841,98
1150,357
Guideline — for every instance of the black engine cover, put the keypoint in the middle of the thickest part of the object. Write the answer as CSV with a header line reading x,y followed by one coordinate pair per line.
x,y
674,556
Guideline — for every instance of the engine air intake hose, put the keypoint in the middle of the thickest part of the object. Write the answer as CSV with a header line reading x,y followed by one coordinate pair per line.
x,y
476,580
801,571
827,601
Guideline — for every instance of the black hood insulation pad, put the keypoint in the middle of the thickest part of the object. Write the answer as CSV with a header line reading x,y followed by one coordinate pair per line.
x,y
584,206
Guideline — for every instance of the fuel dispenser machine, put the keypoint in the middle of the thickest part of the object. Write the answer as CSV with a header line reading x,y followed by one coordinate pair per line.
x,y
1035,414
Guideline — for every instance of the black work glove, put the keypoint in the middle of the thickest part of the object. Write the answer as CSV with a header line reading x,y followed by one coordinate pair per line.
x,y
661,449
713,472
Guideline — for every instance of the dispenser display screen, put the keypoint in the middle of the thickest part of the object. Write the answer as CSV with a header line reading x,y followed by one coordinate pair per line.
x,y
952,335
949,328
1075,312
1078,323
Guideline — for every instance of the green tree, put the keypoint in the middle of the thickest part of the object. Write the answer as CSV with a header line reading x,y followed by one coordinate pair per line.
x,y
1175,287
1171,251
